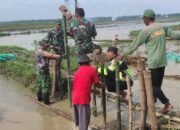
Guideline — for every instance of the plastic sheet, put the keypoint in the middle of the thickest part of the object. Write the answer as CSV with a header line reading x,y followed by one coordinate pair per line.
x,y
4,57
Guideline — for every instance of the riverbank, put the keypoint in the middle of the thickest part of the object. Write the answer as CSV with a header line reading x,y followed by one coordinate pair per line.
x,y
23,69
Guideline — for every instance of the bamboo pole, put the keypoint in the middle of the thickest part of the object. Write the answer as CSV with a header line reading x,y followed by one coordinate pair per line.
x,y
58,78
68,58
129,103
103,94
118,98
52,64
76,5
143,102
94,109
150,99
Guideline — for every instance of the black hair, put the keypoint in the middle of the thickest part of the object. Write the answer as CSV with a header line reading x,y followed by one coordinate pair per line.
x,y
152,19
113,49
84,63
80,12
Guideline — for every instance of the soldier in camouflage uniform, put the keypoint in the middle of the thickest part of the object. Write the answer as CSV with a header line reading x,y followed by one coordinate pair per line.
x,y
55,39
82,31
42,71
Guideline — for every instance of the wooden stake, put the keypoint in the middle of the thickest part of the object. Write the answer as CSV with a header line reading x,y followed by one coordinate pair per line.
x,y
129,103
143,102
150,99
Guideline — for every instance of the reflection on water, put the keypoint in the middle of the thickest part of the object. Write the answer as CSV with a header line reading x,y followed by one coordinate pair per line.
x,y
18,112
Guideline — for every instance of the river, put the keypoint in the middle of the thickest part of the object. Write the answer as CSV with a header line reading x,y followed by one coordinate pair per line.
x,y
104,32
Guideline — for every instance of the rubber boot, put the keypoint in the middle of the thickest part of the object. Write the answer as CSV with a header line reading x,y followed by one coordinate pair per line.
x,y
46,98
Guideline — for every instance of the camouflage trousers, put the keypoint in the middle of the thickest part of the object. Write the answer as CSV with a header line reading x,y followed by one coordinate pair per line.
x,y
43,83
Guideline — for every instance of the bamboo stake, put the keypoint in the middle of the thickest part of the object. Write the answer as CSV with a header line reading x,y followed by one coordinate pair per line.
x,y
129,103
76,5
103,94
150,99
94,109
118,98
52,64
68,58
143,102
58,78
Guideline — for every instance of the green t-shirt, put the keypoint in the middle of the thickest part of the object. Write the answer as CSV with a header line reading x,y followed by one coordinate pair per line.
x,y
154,37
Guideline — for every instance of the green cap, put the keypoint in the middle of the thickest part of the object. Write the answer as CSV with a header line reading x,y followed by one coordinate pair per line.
x,y
149,13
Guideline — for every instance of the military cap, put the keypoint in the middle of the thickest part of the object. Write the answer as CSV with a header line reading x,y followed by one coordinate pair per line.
x,y
149,13
83,59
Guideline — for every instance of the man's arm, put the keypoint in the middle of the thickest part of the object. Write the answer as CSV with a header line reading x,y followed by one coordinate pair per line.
x,y
50,55
141,39
172,34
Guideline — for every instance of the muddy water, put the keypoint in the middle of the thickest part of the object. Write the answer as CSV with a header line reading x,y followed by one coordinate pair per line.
x,y
19,112
104,32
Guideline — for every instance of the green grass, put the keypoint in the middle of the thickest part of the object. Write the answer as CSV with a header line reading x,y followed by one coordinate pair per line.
x,y
27,25
2,34
23,69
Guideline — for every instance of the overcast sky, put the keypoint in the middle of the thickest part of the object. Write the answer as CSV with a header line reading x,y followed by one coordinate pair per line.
x,y
48,9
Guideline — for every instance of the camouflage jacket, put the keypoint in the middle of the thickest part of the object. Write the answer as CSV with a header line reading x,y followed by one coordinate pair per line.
x,y
82,31
56,38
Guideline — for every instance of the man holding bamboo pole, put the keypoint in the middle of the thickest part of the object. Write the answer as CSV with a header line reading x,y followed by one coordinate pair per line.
x,y
109,73
81,30
154,37
84,78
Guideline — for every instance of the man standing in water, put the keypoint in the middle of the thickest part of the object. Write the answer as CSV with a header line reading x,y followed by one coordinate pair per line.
x,y
154,37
